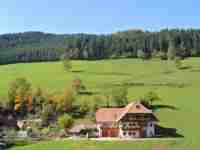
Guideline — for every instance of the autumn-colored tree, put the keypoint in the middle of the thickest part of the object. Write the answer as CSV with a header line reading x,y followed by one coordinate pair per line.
x,y
77,85
30,103
20,95
65,101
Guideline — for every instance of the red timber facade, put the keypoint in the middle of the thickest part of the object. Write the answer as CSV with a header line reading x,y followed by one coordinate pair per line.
x,y
132,121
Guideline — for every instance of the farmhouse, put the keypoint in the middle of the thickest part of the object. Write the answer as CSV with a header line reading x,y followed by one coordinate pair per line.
x,y
132,121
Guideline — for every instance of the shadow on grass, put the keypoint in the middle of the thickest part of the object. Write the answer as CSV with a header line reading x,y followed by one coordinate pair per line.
x,y
110,73
168,72
167,132
158,107
102,73
87,92
78,71
167,84
185,67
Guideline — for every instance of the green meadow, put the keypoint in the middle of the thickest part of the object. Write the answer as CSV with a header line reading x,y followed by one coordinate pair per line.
x,y
177,88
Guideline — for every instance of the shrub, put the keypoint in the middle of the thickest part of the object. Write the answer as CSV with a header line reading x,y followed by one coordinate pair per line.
x,y
84,108
45,131
77,85
11,133
150,97
65,121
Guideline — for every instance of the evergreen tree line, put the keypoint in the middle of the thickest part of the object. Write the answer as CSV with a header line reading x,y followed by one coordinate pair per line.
x,y
38,46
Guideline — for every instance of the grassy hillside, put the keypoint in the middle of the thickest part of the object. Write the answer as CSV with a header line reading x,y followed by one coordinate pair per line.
x,y
178,88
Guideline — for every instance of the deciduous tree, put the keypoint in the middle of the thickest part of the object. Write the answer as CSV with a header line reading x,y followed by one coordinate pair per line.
x,y
20,95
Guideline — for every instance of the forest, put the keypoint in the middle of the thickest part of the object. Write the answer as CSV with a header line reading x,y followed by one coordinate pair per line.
x,y
39,46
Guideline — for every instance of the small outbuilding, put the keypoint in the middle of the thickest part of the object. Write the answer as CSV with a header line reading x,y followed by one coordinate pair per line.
x,y
7,119
83,130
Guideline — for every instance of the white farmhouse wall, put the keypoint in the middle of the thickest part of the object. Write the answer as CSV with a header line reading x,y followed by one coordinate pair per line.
x,y
99,130
150,130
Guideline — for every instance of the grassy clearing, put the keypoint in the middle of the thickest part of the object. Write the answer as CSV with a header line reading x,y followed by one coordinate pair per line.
x,y
99,75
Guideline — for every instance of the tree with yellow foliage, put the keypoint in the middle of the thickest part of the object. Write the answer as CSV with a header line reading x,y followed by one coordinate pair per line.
x,y
20,96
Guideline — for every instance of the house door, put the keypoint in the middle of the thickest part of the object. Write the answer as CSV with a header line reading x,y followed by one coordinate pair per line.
x,y
110,132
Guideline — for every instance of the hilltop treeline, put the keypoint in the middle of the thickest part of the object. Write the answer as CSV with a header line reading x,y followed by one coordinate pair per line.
x,y
38,46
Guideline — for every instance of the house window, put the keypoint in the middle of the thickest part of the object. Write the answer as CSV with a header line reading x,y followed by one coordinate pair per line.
x,y
124,133
133,133
125,125
151,125
132,124
130,133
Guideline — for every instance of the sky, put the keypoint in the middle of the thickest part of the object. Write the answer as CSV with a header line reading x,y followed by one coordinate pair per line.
x,y
97,16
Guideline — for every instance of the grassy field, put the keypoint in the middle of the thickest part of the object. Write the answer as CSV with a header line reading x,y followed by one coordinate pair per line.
x,y
177,88
92,145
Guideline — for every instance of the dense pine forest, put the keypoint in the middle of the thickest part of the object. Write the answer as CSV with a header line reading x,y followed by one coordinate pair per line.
x,y
38,46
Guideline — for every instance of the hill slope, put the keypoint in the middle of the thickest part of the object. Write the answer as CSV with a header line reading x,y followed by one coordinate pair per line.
x,y
178,88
